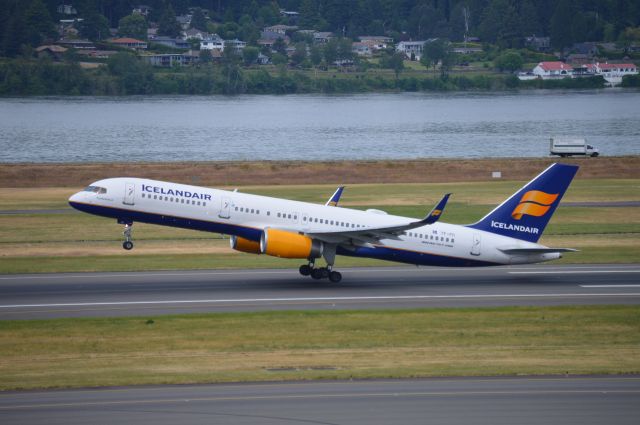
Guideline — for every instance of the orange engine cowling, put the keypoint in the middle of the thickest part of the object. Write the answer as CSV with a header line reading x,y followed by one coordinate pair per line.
x,y
244,245
280,243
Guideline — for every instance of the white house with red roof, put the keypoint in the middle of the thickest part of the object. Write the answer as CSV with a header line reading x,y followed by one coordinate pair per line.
x,y
556,69
611,72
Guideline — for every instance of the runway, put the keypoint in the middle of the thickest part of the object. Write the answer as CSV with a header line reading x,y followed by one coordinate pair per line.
x,y
173,292
548,400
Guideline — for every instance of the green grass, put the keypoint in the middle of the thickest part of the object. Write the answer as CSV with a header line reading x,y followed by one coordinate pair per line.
x,y
316,345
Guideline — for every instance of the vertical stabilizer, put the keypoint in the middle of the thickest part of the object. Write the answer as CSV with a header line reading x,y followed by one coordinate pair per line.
x,y
526,213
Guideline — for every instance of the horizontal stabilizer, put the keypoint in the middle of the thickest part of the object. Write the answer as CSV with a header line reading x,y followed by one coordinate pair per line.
x,y
524,251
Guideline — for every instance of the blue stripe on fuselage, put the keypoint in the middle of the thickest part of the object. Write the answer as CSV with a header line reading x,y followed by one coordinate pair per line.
x,y
412,257
378,252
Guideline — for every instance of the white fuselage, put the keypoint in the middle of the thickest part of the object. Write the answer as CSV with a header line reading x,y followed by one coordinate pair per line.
x,y
247,216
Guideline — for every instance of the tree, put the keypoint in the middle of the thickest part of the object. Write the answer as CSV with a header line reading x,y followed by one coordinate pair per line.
x,y
308,14
205,56
280,46
250,55
500,24
315,55
345,51
133,26
38,23
300,54
508,61
330,51
198,20
94,27
433,52
168,24
395,61
561,22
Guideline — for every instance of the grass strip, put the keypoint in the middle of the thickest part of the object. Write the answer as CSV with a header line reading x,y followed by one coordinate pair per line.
x,y
230,347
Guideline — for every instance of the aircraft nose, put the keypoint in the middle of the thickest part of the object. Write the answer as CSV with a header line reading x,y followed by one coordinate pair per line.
x,y
74,198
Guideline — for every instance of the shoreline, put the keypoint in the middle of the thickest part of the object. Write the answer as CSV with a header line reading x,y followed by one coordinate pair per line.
x,y
225,173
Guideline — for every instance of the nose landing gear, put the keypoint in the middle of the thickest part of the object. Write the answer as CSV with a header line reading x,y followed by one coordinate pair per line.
x,y
127,244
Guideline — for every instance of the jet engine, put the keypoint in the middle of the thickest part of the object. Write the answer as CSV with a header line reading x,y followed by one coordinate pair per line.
x,y
283,244
244,245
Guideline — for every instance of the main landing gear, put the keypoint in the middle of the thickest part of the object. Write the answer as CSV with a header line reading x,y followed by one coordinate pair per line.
x,y
127,244
320,272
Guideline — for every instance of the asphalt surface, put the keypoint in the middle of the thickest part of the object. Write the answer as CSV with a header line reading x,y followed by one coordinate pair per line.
x,y
172,292
551,400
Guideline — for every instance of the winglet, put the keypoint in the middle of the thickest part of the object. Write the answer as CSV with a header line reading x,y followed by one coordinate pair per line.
x,y
335,198
436,212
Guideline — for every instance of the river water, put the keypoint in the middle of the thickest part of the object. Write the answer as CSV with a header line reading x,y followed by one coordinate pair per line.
x,y
315,127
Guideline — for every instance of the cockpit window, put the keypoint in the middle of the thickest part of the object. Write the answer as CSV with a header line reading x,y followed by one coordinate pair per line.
x,y
95,189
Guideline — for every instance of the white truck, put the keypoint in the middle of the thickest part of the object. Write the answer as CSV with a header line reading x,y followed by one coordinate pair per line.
x,y
567,147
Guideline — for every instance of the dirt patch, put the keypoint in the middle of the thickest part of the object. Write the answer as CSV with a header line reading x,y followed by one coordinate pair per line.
x,y
297,172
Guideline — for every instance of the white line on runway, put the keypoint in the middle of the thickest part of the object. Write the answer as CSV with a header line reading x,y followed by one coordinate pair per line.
x,y
610,286
576,271
315,299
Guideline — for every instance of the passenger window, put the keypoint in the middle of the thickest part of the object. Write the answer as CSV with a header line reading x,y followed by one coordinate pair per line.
x,y
236,208
278,215
204,204
155,196
268,212
252,210
258,212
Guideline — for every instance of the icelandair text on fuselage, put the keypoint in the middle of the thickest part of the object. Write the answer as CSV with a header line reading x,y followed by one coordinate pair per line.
x,y
171,192
499,225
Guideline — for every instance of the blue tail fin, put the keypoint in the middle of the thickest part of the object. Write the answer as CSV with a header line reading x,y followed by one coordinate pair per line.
x,y
526,213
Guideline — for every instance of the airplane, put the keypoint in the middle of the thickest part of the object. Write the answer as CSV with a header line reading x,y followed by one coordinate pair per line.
x,y
301,230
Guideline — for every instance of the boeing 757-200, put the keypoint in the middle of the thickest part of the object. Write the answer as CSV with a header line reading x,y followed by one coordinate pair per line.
x,y
292,229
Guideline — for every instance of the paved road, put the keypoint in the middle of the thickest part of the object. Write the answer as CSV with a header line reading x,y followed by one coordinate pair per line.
x,y
565,400
154,293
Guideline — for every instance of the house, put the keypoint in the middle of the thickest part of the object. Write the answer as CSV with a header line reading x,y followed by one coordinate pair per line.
x,y
97,54
550,70
322,37
578,59
236,45
589,49
51,51
212,42
195,33
466,50
541,44
263,60
142,9
130,43
291,16
184,21
361,49
411,49
67,9
280,29
376,42
613,72
168,60
175,43
75,43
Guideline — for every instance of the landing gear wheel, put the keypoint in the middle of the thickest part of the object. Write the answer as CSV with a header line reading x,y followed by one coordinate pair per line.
x,y
335,277
324,272
128,245
316,274
305,270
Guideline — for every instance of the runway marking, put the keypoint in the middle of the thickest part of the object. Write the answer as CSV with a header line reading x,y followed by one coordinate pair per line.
x,y
318,396
610,286
575,271
316,299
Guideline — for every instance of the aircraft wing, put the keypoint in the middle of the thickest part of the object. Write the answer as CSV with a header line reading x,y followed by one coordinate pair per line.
x,y
374,234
